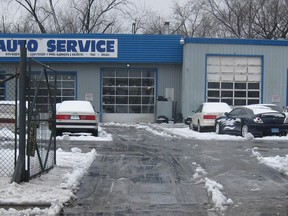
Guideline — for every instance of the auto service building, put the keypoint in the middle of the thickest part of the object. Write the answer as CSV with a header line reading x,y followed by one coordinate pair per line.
x,y
123,75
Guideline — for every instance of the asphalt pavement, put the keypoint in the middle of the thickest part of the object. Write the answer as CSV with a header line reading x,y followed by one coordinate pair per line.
x,y
142,174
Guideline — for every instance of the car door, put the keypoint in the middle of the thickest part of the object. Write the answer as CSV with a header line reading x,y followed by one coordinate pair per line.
x,y
233,121
197,114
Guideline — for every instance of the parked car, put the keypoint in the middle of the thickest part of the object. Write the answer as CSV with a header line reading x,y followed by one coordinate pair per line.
x,y
8,117
76,116
276,107
259,120
204,117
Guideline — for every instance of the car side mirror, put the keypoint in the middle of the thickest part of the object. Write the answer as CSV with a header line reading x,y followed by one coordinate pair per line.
x,y
226,113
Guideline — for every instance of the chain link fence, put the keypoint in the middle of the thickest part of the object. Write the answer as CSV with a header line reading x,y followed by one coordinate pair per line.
x,y
9,121
27,142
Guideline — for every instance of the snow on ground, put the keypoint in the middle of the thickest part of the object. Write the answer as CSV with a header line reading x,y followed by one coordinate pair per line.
x,y
214,189
58,187
277,162
54,188
102,136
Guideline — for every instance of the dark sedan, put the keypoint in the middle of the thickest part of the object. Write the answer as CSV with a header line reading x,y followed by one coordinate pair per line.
x,y
259,120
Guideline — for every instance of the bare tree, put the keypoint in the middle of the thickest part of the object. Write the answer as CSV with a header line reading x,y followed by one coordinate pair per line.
x,y
5,25
96,16
232,15
137,18
272,20
195,18
192,19
251,18
154,25
25,26
54,15
33,8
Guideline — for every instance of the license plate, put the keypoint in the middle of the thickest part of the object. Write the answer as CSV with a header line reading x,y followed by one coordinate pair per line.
x,y
275,130
74,117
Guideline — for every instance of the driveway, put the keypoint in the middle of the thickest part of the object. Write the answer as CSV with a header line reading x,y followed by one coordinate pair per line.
x,y
142,173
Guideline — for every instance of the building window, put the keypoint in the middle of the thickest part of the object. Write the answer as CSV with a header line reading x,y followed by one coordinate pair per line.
x,y
2,85
234,80
66,89
128,90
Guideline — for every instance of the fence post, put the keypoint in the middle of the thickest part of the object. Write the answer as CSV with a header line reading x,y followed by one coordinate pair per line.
x,y
20,173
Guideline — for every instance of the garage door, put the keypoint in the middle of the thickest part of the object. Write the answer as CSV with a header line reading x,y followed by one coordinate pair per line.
x,y
234,80
128,95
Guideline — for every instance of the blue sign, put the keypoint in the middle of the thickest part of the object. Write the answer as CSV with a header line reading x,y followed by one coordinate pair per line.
x,y
98,48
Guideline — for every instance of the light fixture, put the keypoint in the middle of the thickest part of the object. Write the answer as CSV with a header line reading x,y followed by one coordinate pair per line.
x,y
182,41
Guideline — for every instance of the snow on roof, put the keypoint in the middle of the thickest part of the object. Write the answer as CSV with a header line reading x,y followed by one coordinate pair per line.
x,y
8,102
259,109
75,106
216,107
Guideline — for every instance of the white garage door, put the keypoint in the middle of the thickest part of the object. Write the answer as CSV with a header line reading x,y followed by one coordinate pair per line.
x,y
234,80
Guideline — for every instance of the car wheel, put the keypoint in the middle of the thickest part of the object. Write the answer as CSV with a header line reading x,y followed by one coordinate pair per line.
x,y
218,128
199,128
244,130
187,120
95,133
162,119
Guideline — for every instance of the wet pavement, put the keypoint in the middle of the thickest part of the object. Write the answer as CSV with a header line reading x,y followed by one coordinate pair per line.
x,y
139,173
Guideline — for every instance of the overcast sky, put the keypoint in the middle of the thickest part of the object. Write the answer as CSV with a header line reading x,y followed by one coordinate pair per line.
x,y
163,6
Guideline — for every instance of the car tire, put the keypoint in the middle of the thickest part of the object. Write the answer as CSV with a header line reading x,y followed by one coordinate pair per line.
x,y
218,128
58,132
95,133
199,128
244,130
162,119
187,121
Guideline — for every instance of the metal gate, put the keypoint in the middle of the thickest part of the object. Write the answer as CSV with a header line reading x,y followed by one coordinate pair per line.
x,y
41,142
27,131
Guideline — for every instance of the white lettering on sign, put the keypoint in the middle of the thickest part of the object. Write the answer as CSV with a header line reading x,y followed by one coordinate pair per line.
x,y
94,48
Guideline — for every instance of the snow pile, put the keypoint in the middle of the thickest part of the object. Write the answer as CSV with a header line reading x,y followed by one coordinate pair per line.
x,y
80,166
249,136
214,191
52,211
220,202
52,189
199,172
102,136
277,162
153,130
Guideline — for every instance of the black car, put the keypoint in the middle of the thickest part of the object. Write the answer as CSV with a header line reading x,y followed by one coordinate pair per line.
x,y
259,120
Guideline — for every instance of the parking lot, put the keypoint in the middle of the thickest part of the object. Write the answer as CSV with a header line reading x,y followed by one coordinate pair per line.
x,y
171,170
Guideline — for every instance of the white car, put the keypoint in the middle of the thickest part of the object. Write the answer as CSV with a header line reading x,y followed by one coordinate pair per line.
x,y
8,118
76,117
204,117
